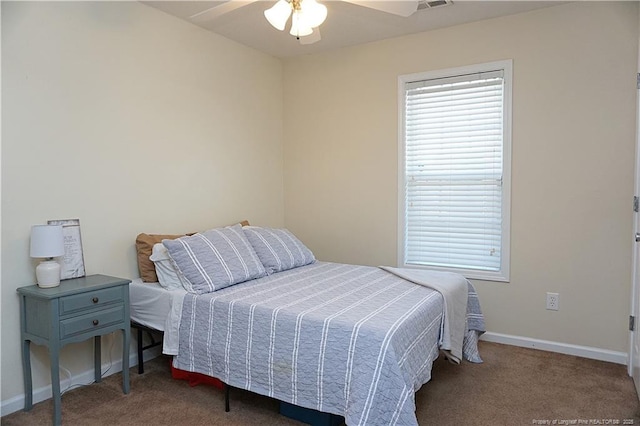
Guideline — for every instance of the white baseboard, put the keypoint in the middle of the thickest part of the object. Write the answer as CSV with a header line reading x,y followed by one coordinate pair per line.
x,y
41,394
563,348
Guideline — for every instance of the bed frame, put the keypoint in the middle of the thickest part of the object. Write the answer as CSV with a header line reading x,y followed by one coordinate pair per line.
x,y
141,347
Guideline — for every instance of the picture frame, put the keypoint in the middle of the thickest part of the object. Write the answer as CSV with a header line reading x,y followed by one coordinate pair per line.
x,y
72,264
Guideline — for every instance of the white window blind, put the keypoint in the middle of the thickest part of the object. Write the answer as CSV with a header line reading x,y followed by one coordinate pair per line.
x,y
454,200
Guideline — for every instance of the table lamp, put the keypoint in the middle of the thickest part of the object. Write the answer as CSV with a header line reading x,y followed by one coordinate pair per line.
x,y
47,242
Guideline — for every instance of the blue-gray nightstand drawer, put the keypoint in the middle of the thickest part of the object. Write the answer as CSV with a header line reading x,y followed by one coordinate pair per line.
x,y
91,321
91,299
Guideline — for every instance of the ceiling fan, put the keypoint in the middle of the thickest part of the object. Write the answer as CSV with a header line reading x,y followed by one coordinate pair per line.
x,y
306,15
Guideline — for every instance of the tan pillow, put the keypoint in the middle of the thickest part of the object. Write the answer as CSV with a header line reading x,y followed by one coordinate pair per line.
x,y
144,247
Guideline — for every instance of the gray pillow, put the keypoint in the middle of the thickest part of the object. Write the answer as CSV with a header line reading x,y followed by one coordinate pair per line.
x,y
215,259
278,249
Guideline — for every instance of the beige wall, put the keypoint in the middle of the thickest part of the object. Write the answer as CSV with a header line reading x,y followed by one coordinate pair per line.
x,y
572,170
131,121
134,121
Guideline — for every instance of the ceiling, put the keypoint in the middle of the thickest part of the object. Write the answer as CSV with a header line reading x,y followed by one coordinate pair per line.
x,y
346,25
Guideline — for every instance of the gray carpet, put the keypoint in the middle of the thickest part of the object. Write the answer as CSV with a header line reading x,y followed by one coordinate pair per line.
x,y
514,386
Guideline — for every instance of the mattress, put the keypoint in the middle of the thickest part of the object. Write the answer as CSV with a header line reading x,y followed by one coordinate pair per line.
x,y
151,305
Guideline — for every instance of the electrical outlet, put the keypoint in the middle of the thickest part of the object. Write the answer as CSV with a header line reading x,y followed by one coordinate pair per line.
x,y
553,301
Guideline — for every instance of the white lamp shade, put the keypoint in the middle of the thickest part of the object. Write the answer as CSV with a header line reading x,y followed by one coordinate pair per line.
x,y
47,241
299,26
278,14
314,13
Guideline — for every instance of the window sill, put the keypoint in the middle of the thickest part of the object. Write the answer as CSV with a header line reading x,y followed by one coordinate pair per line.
x,y
470,274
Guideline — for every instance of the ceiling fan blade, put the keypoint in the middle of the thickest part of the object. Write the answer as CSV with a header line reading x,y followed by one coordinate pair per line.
x,y
219,10
395,7
314,37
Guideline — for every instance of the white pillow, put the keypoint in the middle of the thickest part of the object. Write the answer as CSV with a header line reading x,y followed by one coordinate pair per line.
x,y
168,277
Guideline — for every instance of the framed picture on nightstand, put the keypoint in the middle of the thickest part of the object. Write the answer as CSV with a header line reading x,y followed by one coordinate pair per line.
x,y
72,265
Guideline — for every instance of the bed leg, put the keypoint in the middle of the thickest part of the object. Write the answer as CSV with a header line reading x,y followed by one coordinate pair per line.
x,y
140,356
226,397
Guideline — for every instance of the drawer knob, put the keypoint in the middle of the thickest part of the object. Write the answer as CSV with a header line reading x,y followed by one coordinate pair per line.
x,y
95,300
96,322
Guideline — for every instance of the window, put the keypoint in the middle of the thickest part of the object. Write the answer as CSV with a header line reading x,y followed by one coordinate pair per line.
x,y
454,167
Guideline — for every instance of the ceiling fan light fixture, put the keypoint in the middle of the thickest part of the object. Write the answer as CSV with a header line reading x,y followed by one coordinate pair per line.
x,y
305,15
278,14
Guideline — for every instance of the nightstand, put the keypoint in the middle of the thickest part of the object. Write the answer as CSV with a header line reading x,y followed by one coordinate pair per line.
x,y
75,311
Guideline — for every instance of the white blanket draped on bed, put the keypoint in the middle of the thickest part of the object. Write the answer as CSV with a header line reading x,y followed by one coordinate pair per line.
x,y
454,289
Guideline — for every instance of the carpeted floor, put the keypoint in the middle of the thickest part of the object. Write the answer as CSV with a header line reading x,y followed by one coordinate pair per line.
x,y
514,386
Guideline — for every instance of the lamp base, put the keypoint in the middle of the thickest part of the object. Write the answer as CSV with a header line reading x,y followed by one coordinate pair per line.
x,y
48,274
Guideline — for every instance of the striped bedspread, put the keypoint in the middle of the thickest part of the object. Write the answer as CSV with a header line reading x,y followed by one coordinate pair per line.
x,y
355,341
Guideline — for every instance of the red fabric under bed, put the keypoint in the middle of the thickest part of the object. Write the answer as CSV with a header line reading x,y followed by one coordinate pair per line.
x,y
194,378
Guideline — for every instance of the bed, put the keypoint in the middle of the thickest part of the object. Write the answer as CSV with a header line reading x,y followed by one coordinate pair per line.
x,y
354,341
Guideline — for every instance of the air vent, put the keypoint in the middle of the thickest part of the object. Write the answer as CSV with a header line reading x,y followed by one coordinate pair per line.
x,y
430,4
